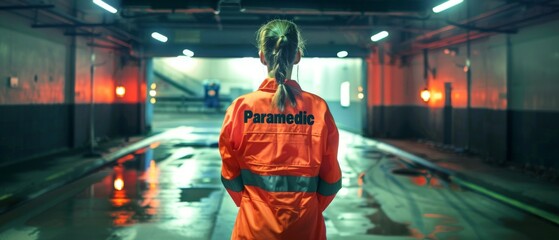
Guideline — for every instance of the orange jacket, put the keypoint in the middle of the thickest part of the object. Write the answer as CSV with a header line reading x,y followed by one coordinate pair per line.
x,y
280,168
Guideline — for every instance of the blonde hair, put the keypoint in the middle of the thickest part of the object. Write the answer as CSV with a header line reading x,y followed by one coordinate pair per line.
x,y
279,41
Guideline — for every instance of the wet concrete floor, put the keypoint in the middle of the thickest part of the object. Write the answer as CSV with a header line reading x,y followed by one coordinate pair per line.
x,y
172,190
386,197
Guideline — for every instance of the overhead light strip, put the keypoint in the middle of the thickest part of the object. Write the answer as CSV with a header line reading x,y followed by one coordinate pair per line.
x,y
446,5
342,54
379,36
159,37
188,53
105,6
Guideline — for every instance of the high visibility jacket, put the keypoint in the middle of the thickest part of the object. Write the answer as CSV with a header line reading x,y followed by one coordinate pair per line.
x,y
280,168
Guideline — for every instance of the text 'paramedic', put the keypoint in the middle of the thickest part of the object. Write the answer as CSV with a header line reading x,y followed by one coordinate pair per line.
x,y
300,118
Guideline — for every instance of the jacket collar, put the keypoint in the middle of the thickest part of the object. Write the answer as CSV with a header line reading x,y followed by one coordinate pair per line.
x,y
270,85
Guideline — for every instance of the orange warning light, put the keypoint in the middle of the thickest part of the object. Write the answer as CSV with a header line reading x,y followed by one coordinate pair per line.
x,y
118,184
425,95
120,91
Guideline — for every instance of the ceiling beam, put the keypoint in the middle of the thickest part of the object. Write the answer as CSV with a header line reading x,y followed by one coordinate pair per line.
x,y
246,50
76,25
255,25
25,7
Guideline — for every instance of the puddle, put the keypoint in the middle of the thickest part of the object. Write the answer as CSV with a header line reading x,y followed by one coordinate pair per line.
x,y
208,180
196,194
369,154
391,156
197,144
410,172
140,190
362,146
383,225
423,178
442,225
213,164
191,144
188,156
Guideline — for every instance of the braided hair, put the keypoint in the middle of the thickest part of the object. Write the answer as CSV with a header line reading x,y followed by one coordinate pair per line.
x,y
279,41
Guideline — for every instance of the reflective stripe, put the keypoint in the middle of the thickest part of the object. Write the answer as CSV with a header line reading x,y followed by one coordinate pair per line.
x,y
280,183
327,189
235,184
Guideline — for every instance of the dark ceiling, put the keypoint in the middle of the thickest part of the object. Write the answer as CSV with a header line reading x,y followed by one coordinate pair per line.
x,y
226,28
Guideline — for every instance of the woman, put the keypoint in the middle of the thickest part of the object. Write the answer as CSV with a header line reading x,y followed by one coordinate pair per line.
x,y
279,148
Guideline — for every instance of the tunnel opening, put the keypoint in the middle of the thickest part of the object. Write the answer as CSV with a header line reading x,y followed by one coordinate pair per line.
x,y
192,91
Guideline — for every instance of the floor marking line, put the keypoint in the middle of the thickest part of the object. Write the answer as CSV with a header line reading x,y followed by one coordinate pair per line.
x,y
5,196
528,208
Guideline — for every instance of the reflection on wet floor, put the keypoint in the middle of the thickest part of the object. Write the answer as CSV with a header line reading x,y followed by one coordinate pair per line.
x,y
158,192
172,190
383,225
357,213
196,194
397,199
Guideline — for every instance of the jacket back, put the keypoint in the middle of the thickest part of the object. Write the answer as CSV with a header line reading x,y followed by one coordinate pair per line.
x,y
281,168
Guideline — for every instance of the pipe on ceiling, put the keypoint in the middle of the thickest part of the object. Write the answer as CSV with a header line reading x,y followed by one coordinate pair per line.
x,y
68,19
324,12
479,17
193,25
26,7
461,38
154,11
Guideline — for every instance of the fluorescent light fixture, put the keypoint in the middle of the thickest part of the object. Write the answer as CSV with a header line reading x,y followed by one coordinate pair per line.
x,y
377,37
342,54
446,5
105,6
159,37
188,53
344,94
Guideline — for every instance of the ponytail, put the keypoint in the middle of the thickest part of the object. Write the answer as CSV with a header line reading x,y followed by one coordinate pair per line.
x,y
280,73
280,40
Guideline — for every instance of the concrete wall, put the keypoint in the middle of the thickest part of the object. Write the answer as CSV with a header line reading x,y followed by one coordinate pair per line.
x,y
48,111
514,100
533,76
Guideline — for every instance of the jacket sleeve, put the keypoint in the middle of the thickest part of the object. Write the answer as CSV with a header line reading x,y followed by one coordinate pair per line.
x,y
330,175
230,169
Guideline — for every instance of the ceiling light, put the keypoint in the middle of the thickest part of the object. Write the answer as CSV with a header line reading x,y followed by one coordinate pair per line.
x,y
105,6
446,5
342,54
188,53
377,37
159,37
345,100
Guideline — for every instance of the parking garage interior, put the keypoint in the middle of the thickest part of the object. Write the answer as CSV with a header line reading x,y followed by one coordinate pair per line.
x,y
477,80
